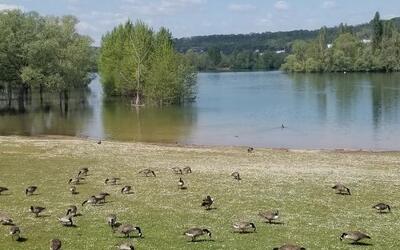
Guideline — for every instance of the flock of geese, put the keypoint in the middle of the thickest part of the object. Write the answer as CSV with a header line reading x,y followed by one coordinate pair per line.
x,y
193,233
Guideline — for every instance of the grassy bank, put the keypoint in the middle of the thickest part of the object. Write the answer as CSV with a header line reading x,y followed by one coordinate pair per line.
x,y
297,183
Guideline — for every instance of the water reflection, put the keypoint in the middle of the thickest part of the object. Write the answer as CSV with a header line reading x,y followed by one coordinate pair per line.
x,y
247,108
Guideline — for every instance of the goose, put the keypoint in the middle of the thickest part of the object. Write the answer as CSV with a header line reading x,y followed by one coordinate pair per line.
x,y
83,171
112,220
341,189
244,226
92,200
147,172
55,244
30,190
15,233
112,180
250,150
66,221
193,233
6,220
75,180
2,189
99,142
181,183
36,210
187,170
289,247
207,202
127,229
177,170
126,246
101,197
126,189
382,207
270,215
72,189
72,210
236,176
354,236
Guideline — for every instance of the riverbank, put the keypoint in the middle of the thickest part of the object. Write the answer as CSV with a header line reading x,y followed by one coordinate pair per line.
x,y
296,182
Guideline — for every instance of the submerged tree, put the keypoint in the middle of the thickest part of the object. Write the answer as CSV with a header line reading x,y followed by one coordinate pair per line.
x,y
137,62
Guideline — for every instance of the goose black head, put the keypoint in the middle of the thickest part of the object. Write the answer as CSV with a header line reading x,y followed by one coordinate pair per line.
x,y
139,231
343,235
207,232
253,225
348,191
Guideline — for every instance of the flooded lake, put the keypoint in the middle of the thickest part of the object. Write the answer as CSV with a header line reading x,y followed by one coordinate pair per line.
x,y
356,111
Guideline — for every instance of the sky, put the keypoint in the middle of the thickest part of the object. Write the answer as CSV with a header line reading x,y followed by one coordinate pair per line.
x,y
186,18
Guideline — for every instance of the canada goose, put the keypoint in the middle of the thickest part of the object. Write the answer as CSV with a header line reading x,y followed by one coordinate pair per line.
x,y
55,244
354,236
207,202
270,215
112,220
72,189
244,226
15,232
341,189
66,220
382,207
30,190
147,172
289,247
112,180
36,210
128,229
193,233
6,220
236,176
177,170
126,246
187,170
101,197
72,210
181,184
92,201
75,180
250,150
83,171
2,189
126,189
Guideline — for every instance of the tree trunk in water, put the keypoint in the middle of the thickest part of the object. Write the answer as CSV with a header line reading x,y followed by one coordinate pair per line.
x,y
9,91
66,98
21,100
41,94
61,98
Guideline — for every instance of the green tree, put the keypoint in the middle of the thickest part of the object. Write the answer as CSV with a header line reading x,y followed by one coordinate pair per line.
x,y
377,33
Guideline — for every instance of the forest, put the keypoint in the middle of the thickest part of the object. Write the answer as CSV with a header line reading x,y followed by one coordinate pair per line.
x,y
348,52
258,51
42,55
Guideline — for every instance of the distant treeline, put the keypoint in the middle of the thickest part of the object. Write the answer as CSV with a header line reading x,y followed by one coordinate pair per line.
x,y
258,51
41,54
349,52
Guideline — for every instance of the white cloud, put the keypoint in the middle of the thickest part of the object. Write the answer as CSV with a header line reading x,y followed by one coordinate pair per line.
x,y
281,5
160,7
241,7
329,4
10,7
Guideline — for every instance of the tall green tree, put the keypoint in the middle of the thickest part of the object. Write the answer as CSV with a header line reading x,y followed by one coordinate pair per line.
x,y
377,27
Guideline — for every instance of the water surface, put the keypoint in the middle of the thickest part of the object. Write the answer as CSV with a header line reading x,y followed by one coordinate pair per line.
x,y
357,111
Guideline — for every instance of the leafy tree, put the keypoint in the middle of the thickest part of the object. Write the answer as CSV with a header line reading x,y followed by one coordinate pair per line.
x,y
377,27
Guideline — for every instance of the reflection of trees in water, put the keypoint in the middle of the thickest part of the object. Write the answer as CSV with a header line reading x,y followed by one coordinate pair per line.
x,y
169,124
385,94
47,117
348,91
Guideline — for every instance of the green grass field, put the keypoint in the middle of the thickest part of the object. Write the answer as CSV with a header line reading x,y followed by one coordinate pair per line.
x,y
297,183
